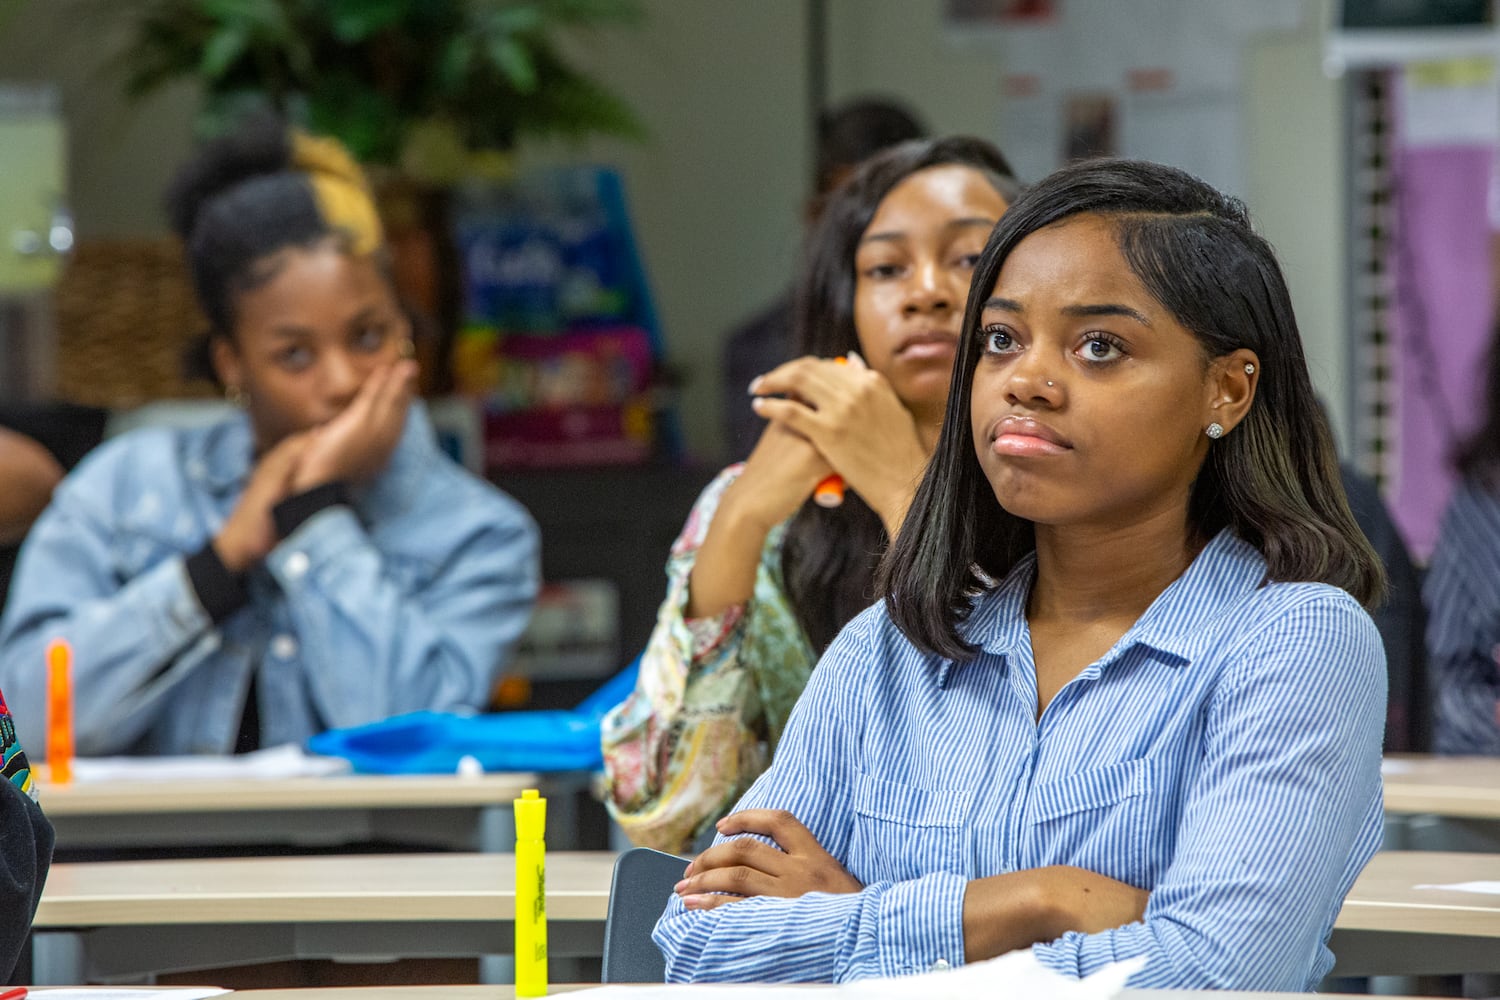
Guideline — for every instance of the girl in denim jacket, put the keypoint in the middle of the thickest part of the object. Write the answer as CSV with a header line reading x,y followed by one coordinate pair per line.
x,y
311,562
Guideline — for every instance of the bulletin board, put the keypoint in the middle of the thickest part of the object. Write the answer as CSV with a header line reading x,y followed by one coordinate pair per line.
x,y
1151,79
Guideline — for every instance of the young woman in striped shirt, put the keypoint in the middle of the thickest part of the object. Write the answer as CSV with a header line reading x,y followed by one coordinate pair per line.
x,y
1121,698
1462,593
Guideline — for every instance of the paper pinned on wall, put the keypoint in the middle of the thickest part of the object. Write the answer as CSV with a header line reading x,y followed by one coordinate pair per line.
x,y
1174,69
1451,103
1017,974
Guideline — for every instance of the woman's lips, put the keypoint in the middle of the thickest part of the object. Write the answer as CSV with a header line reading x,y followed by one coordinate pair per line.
x,y
929,344
1023,437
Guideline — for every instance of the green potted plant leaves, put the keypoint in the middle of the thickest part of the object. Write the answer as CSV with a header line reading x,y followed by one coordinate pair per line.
x,y
395,80
423,92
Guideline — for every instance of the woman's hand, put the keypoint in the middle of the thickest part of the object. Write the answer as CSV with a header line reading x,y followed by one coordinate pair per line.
x,y
1018,909
356,445
779,476
745,867
857,423
250,533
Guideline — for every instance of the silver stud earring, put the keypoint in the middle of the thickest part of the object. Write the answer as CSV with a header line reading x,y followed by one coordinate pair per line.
x,y
1249,369
1215,431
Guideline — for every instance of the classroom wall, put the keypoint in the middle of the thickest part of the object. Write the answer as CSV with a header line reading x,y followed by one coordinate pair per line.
x,y
717,188
1295,135
120,154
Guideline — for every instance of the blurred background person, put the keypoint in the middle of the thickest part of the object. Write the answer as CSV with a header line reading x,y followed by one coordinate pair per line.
x,y
312,562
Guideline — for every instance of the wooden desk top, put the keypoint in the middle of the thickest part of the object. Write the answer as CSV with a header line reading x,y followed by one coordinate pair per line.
x,y
326,889
1446,786
474,887
354,791
1466,787
1385,897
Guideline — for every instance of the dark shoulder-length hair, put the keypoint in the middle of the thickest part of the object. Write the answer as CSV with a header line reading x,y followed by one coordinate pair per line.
x,y
1478,456
1274,481
829,556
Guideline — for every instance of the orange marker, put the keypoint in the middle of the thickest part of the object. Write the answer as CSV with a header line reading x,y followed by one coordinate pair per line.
x,y
830,492
60,711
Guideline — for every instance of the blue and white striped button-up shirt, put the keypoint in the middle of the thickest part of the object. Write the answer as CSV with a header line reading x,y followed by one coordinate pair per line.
x,y
1224,754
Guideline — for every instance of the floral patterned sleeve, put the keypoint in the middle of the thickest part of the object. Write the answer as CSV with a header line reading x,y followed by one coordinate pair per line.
x,y
26,841
712,697
14,766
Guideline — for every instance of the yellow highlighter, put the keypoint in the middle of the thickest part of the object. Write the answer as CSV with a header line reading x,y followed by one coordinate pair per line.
x,y
531,894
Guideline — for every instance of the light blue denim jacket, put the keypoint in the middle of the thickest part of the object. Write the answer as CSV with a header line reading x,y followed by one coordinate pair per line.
x,y
413,598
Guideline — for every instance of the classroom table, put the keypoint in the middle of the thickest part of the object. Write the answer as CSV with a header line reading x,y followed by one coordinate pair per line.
x,y
1442,803
463,813
116,921
1389,927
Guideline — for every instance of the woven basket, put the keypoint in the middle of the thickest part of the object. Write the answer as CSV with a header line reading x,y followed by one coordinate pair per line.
x,y
125,318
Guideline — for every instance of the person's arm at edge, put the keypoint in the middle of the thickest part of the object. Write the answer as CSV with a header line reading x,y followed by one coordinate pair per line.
x,y
29,474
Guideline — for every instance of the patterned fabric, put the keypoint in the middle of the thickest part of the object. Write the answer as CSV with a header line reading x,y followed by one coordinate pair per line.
x,y
711,701
13,763
1462,592
1224,754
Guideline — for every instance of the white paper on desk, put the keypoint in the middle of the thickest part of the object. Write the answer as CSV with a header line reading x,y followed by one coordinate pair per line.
x,y
1485,888
1017,975
286,761
117,993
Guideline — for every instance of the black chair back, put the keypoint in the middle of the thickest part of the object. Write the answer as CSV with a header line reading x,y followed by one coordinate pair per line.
x,y
642,885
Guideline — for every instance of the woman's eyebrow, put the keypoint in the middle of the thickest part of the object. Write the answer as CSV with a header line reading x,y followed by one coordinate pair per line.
x,y
1102,309
895,235
1107,309
973,220
366,314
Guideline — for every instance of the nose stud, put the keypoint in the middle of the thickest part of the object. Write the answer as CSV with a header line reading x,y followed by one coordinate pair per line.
x,y
1050,383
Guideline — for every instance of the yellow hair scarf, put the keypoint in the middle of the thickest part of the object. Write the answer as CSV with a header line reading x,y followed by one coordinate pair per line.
x,y
339,188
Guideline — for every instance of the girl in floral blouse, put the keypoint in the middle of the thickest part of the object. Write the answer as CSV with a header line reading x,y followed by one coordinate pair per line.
x,y
762,577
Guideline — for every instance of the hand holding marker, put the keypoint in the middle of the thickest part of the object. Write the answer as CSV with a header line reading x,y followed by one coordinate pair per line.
x,y
830,492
